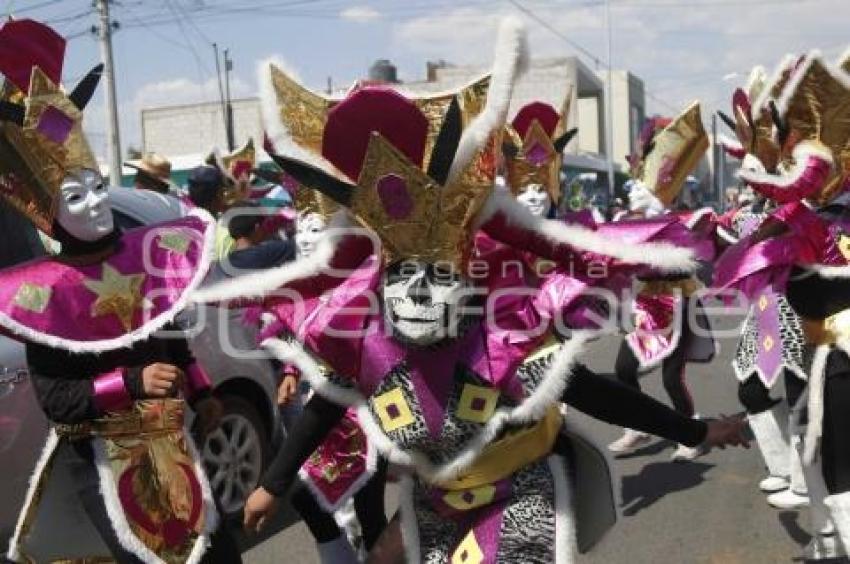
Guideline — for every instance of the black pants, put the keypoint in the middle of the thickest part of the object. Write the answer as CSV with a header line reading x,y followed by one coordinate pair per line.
x,y
835,447
672,372
78,458
755,397
368,504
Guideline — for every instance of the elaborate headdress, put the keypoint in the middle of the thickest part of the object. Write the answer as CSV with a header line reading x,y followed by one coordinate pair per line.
x,y
41,134
813,117
668,152
534,144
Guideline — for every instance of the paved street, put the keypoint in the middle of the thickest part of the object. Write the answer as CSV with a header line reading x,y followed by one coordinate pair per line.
x,y
708,511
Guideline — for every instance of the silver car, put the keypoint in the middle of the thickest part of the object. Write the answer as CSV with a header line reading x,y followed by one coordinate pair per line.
x,y
234,455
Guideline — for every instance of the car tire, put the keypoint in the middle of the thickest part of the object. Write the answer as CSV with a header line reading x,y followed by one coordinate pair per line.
x,y
235,454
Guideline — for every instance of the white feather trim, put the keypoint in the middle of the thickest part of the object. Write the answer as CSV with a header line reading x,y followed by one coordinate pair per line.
x,y
765,97
729,144
815,56
293,352
814,429
511,60
726,235
802,153
147,329
697,216
565,522
44,459
276,130
663,256
261,283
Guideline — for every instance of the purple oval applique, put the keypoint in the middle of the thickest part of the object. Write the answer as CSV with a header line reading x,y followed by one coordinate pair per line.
x,y
537,154
392,190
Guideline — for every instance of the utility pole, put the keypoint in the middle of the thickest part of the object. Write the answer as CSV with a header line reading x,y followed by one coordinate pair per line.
x,y
220,88
228,66
609,106
104,32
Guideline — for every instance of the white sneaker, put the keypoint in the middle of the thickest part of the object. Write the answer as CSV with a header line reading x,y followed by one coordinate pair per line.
x,y
788,499
686,454
823,547
629,442
773,484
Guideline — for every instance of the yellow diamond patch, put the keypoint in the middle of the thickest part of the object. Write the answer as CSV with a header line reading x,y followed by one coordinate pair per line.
x,y
392,410
477,403
763,303
33,297
768,343
464,500
174,241
468,551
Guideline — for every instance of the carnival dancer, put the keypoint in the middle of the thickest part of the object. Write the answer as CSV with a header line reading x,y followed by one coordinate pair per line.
x,y
662,334
119,476
436,386
802,252
346,466
771,343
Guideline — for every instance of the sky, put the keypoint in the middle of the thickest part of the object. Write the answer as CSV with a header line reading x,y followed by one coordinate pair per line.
x,y
682,49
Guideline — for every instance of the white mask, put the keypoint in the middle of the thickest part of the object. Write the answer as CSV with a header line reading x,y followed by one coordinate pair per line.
x,y
308,232
424,304
536,199
84,210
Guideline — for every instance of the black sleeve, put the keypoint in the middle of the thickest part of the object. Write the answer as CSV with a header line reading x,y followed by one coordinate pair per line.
x,y
63,399
320,416
617,404
814,297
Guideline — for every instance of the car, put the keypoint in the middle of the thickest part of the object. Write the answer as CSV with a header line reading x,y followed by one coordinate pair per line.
x,y
234,455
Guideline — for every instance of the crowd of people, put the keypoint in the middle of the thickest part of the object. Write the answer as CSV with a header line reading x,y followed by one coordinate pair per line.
x,y
426,304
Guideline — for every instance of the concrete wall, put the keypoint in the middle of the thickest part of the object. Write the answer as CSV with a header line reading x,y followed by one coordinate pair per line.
x,y
191,129
628,113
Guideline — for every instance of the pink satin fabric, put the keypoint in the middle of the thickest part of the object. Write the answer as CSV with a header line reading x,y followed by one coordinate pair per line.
x,y
812,179
197,380
655,334
110,393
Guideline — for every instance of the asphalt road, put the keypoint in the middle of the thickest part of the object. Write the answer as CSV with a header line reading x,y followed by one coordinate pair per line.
x,y
707,511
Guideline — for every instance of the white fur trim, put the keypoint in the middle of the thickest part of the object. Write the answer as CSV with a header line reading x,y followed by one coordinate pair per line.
x,y
731,146
802,153
663,256
356,486
118,519
259,284
511,60
816,384
726,235
762,101
646,364
148,328
837,74
294,353
697,216
276,130
44,459
565,523
409,524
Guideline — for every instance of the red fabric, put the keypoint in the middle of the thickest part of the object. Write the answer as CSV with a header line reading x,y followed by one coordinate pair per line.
x,y
25,44
544,113
352,122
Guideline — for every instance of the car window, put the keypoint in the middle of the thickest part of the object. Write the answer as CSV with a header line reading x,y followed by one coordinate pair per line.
x,y
124,221
19,240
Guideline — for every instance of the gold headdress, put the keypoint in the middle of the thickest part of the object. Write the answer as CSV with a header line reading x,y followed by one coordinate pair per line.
x,y
815,107
416,171
534,145
669,155
41,135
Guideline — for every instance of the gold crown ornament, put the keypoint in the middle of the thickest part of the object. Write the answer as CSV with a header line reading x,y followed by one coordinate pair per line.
x,y
41,136
670,153
815,107
533,147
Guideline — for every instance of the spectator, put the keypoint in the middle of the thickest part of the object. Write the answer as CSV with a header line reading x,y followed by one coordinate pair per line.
x,y
153,173
254,246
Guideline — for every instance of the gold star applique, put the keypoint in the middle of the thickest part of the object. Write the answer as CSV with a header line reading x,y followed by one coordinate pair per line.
x,y
117,294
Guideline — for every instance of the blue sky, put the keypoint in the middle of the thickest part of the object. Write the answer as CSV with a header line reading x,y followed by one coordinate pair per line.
x,y
682,49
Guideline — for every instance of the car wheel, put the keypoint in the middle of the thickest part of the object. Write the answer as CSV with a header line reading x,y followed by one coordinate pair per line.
x,y
235,454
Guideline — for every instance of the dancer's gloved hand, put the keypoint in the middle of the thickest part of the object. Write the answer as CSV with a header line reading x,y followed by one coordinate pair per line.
x,y
209,410
260,507
160,380
726,431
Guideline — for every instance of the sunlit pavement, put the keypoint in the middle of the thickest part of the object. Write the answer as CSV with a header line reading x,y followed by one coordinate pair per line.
x,y
707,511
